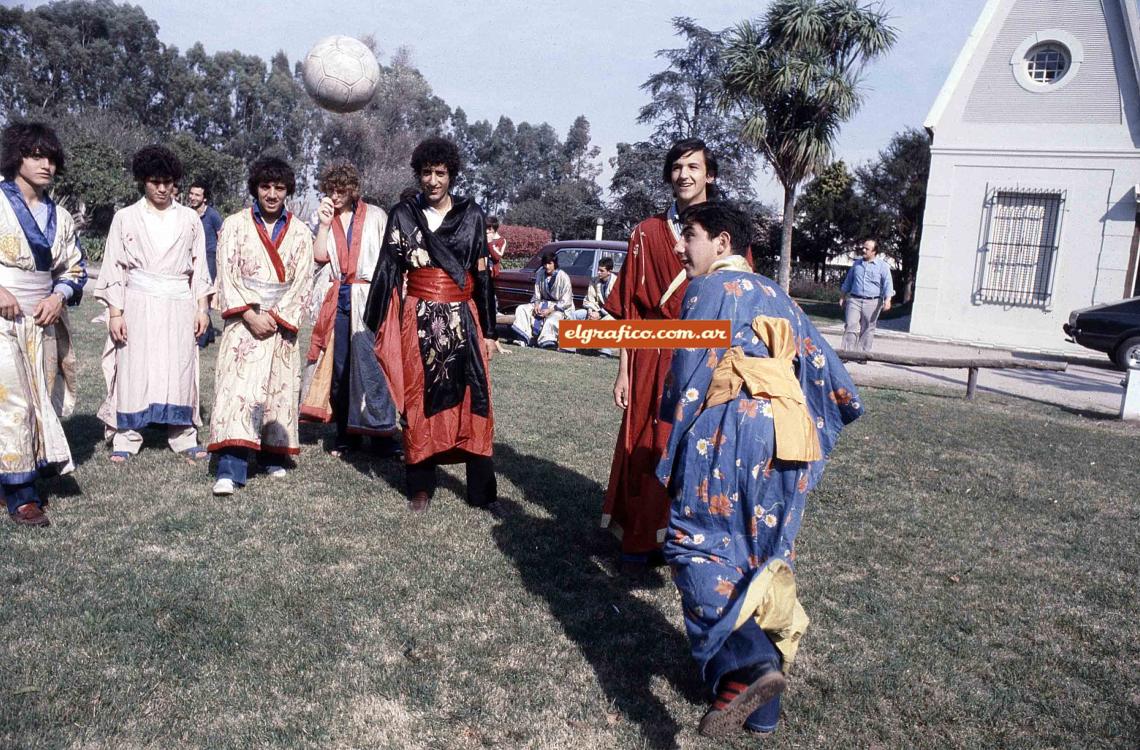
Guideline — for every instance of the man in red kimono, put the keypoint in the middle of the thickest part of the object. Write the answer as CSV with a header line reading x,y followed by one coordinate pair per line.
x,y
650,287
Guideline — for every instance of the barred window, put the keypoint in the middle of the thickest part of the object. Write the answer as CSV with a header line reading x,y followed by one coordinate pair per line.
x,y
1019,256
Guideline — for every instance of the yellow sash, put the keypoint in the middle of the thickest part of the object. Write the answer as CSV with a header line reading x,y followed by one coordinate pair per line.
x,y
773,378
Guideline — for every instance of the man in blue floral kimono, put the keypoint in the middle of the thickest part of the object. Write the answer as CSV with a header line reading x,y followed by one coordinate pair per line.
x,y
752,428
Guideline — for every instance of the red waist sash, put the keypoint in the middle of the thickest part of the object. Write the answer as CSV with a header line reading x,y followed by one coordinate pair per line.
x,y
434,285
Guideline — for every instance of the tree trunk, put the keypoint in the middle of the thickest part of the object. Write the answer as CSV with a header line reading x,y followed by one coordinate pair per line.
x,y
785,278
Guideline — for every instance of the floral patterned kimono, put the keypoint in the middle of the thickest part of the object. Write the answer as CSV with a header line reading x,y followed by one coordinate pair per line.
x,y
752,428
258,382
37,366
430,344
553,293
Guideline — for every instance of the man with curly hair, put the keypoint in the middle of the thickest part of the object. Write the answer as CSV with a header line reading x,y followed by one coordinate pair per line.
x,y
345,382
435,347
156,286
265,278
42,271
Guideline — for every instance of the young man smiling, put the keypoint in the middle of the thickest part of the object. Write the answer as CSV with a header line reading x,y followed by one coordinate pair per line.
x,y
156,285
265,275
650,287
436,344
41,271
752,427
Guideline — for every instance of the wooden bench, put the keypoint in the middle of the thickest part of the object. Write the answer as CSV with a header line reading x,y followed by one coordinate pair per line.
x,y
971,364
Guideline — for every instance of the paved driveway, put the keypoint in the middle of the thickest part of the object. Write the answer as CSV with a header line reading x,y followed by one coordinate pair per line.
x,y
1084,386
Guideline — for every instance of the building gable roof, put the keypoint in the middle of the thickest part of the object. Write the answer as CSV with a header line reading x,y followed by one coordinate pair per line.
x,y
1131,12
946,93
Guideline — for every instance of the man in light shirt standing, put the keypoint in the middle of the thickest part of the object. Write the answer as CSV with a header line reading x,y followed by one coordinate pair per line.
x,y
866,292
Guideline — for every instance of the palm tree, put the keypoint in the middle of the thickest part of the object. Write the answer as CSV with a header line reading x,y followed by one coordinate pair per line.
x,y
795,75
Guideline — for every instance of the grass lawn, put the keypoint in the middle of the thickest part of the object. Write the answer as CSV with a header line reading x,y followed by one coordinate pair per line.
x,y
970,571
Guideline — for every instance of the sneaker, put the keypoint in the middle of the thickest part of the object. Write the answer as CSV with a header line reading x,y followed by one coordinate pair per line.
x,y
276,471
738,695
224,487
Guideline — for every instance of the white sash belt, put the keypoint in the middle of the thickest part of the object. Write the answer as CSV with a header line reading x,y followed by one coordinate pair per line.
x,y
158,284
28,287
271,292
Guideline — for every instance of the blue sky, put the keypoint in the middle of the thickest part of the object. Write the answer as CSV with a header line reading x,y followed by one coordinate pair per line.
x,y
551,60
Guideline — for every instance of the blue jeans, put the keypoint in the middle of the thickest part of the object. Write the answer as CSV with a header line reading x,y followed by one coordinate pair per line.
x,y
21,494
233,463
748,646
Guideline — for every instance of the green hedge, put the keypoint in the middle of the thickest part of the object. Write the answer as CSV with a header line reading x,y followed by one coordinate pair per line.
x,y
93,245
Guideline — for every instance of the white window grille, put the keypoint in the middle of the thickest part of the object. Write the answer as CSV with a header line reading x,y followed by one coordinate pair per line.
x,y
1047,63
1020,253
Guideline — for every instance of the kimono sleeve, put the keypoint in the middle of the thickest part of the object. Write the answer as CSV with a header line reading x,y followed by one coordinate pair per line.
x,y
233,297
484,290
70,268
291,309
111,286
620,303
388,276
565,302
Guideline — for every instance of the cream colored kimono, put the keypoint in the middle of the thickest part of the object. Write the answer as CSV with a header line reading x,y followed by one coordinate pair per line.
x,y
37,367
153,377
258,382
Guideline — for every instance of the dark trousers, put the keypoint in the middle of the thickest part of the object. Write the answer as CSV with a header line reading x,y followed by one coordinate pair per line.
x,y
481,485
748,646
342,369
233,463
23,493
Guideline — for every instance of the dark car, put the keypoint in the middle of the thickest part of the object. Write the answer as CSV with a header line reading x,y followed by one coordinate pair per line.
x,y
1112,328
578,258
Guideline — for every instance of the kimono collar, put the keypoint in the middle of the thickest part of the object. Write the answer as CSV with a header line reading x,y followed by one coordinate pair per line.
x,y
733,262
278,225
40,241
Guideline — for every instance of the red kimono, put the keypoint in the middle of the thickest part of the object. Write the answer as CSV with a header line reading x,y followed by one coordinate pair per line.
x,y
636,503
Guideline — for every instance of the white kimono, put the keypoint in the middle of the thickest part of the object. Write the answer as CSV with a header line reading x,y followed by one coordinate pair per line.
x,y
557,297
153,377
37,367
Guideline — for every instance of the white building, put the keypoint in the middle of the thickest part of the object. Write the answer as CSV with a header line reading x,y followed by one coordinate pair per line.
x,y
1031,208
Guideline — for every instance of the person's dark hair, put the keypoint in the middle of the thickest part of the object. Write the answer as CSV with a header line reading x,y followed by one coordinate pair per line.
x,y
547,257
343,177
206,193
493,222
22,139
685,146
606,263
435,150
271,169
717,217
409,193
155,162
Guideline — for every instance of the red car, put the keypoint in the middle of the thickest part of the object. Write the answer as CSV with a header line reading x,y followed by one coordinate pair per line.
x,y
578,258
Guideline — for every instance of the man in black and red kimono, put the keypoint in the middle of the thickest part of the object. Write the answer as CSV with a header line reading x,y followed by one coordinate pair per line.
x,y
435,344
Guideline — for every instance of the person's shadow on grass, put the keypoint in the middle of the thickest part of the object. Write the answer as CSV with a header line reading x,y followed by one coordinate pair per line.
x,y
627,642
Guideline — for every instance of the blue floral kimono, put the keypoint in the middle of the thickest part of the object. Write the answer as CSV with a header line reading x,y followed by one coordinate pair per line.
x,y
736,504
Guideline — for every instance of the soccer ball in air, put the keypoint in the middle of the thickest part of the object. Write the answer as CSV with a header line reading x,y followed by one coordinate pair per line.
x,y
340,73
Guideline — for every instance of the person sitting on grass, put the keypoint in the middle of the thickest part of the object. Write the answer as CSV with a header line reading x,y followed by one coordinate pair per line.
x,y
596,295
552,300
156,285
752,428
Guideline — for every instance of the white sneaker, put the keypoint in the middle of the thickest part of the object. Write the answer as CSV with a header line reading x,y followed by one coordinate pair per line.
x,y
224,487
277,472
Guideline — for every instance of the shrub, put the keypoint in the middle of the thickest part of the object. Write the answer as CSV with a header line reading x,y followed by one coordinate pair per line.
x,y
523,242
93,245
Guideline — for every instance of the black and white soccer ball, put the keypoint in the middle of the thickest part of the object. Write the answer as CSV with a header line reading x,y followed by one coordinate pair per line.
x,y
340,74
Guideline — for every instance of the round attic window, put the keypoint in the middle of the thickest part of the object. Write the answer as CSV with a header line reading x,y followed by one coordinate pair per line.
x,y
1047,61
